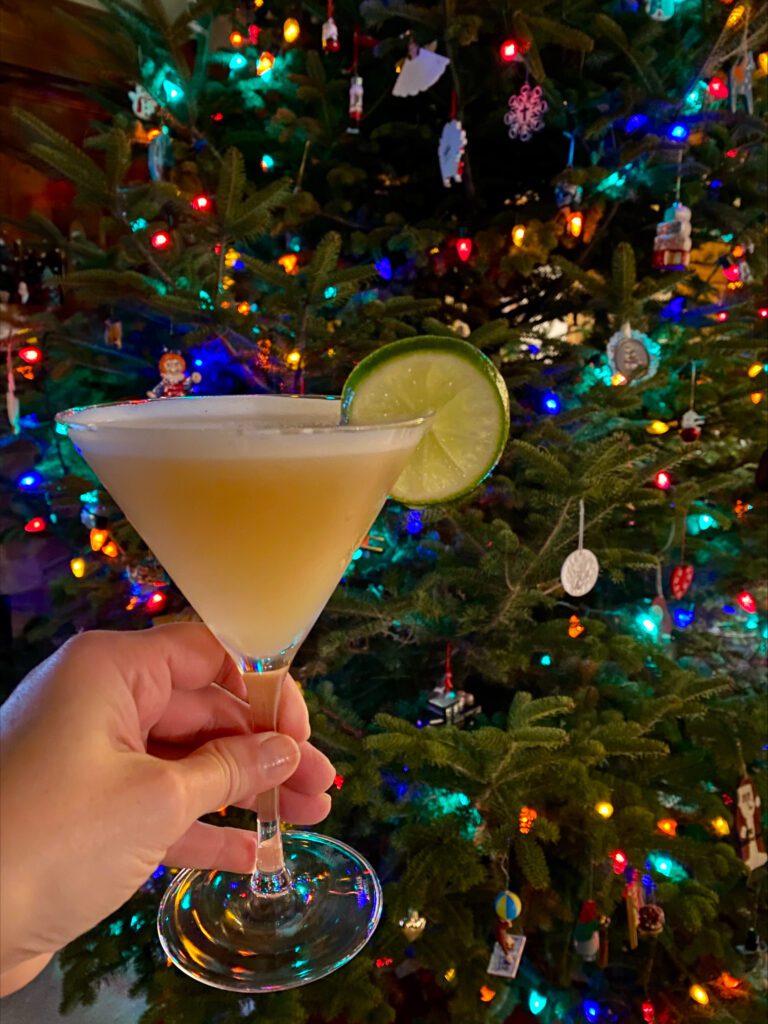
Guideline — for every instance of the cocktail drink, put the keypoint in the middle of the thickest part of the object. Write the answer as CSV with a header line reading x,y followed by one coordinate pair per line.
x,y
254,505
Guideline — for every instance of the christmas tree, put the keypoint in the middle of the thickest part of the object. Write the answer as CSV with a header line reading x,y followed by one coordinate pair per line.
x,y
552,770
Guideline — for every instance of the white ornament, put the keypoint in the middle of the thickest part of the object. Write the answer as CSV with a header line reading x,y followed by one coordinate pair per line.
x,y
450,150
330,36
421,69
355,104
142,103
581,568
632,354
526,113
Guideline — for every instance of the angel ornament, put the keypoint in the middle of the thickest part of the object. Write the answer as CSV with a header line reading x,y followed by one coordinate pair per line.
x,y
421,69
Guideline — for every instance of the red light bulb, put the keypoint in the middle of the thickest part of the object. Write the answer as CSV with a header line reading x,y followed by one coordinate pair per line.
x,y
649,1012
36,525
663,480
338,781
763,312
722,316
30,354
156,602
718,88
200,203
161,240
253,33
731,153
508,50
619,861
746,601
732,273
218,116
464,249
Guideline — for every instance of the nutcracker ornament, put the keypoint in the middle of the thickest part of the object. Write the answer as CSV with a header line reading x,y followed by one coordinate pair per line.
x,y
330,33
672,244
174,380
355,104
586,934
748,826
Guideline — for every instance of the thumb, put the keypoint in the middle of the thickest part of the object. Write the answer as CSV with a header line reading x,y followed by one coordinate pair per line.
x,y
232,769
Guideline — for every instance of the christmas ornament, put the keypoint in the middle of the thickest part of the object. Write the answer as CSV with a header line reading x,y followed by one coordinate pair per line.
x,y
143,103
740,82
505,959
586,934
690,425
650,919
448,706
507,905
580,570
413,925
567,194
421,69
174,380
672,244
450,150
660,10
632,354
526,818
633,899
748,825
12,407
526,113
680,581
113,333
355,104
160,156
330,36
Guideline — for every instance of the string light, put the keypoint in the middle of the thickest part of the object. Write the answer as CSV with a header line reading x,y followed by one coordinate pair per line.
x,y
683,617
236,38
267,163
450,974
156,601
290,263
648,1011
338,781
721,316
618,861
487,995
463,248
36,525
756,397
657,427
718,88
77,567
172,91
161,240
238,62
293,359
733,21
30,354
266,63
110,549
200,203
668,826
763,312
575,628
663,480
604,808
575,224
151,134
518,235
243,308
618,379
536,1002
745,600
29,481
699,995
526,819
591,1009
98,538
551,403
678,132
508,50
291,30
753,371
720,826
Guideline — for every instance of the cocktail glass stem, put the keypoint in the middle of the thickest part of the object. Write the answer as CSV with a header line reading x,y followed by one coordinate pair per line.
x,y
271,877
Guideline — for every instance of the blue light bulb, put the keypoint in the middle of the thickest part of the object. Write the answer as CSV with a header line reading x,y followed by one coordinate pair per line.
x,y
634,122
683,617
384,268
238,62
330,292
591,1009
551,403
678,132
414,523
29,481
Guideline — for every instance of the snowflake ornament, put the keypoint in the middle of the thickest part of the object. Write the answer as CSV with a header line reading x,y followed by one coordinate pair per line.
x,y
526,113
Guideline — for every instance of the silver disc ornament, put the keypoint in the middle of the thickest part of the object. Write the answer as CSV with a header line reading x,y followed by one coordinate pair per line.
x,y
579,572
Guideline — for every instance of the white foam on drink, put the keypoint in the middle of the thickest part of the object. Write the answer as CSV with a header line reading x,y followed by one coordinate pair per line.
x,y
231,427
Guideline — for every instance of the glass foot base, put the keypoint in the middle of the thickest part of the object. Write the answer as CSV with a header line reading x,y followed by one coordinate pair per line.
x,y
215,930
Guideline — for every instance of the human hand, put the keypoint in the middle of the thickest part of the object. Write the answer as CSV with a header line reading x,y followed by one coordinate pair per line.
x,y
111,750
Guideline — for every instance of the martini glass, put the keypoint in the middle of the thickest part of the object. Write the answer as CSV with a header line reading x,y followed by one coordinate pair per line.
x,y
255,505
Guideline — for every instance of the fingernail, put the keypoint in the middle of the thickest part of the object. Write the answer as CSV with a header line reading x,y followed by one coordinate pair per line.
x,y
276,752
